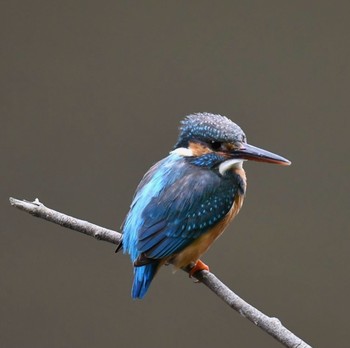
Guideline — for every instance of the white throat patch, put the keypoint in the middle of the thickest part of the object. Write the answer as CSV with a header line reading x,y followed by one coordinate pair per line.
x,y
232,163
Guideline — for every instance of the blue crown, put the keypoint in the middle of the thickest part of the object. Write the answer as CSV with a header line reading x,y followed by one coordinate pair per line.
x,y
208,127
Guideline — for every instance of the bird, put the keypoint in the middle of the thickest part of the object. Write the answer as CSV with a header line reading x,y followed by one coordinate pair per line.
x,y
186,200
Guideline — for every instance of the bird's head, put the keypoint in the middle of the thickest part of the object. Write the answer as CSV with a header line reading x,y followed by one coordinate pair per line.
x,y
210,140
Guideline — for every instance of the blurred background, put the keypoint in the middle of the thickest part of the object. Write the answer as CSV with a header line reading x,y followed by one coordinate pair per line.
x,y
92,93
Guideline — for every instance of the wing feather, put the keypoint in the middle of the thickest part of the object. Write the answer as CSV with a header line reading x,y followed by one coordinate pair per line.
x,y
183,212
175,203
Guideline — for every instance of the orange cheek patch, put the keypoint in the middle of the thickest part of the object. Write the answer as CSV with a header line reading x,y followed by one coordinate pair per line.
x,y
230,146
199,149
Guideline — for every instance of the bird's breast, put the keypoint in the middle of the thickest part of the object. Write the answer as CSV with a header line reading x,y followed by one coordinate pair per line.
x,y
196,249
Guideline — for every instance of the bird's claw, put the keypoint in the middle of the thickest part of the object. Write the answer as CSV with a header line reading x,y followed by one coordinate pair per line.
x,y
199,266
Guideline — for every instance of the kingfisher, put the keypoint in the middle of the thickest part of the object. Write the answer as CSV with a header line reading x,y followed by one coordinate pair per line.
x,y
186,200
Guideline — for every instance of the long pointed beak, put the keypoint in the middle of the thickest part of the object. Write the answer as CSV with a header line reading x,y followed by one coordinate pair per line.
x,y
250,152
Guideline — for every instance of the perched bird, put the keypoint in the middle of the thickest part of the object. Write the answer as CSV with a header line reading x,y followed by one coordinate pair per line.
x,y
186,200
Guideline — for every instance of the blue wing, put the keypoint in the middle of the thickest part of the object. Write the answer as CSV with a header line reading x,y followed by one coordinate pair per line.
x,y
175,203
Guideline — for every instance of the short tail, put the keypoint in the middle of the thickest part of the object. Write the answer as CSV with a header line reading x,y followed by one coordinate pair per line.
x,y
143,276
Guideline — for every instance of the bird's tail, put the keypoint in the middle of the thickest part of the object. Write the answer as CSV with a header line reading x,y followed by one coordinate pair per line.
x,y
143,276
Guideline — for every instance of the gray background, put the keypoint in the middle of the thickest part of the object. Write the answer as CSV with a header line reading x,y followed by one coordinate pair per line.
x,y
92,93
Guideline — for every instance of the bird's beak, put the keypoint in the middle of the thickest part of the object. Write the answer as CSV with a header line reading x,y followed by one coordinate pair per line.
x,y
250,152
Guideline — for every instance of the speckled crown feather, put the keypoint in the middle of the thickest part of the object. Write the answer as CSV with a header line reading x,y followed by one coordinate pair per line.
x,y
208,127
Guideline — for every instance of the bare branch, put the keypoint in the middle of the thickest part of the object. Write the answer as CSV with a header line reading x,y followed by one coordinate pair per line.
x,y
38,209
270,325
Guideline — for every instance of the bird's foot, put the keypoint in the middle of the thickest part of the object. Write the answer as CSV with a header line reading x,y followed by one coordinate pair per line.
x,y
199,266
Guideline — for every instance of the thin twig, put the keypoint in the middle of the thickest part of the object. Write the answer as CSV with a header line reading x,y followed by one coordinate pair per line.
x,y
270,325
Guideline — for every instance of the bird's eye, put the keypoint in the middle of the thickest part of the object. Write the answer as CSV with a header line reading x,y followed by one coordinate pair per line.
x,y
215,145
